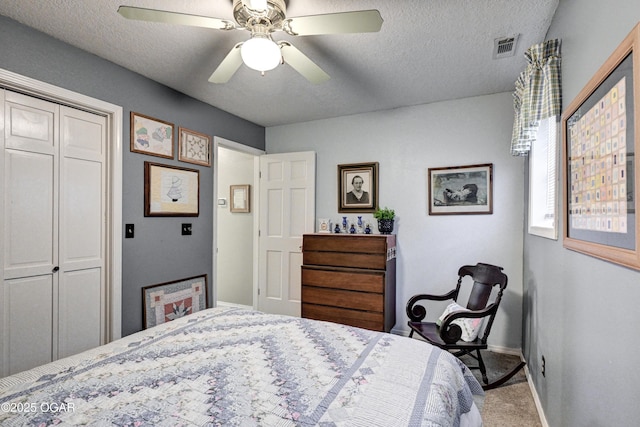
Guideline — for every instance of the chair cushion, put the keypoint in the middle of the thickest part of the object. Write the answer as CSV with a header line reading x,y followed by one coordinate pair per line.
x,y
470,327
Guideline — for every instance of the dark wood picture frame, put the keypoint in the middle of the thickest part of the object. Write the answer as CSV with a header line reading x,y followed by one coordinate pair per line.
x,y
599,143
461,190
353,176
168,301
151,136
171,190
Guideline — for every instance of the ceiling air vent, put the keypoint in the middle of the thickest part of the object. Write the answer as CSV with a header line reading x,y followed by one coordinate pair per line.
x,y
505,46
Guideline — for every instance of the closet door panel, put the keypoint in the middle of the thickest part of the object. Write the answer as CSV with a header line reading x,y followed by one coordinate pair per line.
x,y
82,294
30,206
80,312
27,333
30,123
82,213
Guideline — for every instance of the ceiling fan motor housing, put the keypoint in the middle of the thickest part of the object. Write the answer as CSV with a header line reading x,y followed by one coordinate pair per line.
x,y
273,16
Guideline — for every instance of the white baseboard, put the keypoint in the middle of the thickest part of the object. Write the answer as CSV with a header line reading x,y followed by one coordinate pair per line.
x,y
534,392
536,398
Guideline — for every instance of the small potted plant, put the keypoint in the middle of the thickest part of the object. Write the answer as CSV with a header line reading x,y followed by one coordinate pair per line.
x,y
385,219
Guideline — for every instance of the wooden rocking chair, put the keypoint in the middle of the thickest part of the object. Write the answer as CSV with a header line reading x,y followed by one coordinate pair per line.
x,y
449,334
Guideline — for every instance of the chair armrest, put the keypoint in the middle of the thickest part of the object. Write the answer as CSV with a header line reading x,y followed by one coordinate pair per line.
x,y
417,312
451,333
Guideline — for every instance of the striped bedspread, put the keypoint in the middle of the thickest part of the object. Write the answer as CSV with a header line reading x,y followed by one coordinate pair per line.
x,y
231,367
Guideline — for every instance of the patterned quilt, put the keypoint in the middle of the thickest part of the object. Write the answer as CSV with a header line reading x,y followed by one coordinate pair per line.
x,y
231,367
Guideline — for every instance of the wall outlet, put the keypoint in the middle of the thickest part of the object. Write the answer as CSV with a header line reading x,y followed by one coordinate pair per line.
x,y
544,368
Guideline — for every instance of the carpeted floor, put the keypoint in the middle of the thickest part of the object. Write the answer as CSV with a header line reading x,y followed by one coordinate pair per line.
x,y
511,404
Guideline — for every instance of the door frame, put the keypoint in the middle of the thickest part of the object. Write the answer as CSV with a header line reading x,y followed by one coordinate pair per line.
x,y
255,207
113,113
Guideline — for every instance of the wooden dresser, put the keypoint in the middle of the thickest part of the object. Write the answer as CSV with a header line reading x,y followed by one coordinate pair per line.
x,y
350,279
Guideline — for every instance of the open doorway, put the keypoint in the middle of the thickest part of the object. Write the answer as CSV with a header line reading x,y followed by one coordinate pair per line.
x,y
235,232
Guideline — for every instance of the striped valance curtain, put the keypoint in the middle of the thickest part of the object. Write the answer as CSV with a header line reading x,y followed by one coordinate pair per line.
x,y
537,95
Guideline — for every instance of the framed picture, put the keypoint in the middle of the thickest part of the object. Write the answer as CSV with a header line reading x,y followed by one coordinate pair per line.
x,y
168,301
324,225
461,190
194,148
239,195
151,136
358,187
170,190
598,146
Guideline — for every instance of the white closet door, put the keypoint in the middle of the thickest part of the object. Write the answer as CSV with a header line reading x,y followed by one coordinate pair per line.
x,y
30,232
82,290
53,225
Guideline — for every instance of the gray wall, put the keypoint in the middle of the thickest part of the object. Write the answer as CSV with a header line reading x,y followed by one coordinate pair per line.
x,y
406,142
580,312
158,253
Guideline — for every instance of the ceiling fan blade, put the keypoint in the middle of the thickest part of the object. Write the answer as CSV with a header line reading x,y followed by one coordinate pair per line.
x,y
154,15
228,66
302,64
364,21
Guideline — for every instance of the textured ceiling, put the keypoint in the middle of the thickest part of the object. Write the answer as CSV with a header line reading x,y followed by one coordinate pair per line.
x,y
426,51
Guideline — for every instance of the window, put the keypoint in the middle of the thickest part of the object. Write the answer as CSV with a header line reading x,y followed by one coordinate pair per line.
x,y
543,164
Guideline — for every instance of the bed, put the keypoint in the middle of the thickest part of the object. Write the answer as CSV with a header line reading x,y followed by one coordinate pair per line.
x,y
233,367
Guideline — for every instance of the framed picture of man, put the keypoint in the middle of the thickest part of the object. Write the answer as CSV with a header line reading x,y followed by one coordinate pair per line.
x,y
358,187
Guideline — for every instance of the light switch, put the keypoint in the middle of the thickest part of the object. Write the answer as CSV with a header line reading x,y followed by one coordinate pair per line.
x,y
186,229
128,231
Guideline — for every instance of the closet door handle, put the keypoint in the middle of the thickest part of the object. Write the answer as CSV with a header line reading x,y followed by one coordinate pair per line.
x,y
55,269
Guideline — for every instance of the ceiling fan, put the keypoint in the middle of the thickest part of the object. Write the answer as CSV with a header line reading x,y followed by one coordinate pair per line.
x,y
263,18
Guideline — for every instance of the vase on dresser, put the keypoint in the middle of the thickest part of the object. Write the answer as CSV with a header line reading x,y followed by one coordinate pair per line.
x,y
385,226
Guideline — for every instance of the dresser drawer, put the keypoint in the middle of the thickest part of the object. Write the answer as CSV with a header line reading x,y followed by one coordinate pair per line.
x,y
361,319
368,243
350,280
341,298
341,259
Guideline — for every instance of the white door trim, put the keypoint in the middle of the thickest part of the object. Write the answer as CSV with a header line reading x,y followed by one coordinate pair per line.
x,y
16,82
226,143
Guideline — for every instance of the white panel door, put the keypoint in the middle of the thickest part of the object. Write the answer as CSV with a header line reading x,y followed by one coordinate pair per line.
x,y
82,301
29,216
287,211
53,223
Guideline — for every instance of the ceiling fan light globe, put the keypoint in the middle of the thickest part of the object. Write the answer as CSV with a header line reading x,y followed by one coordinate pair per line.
x,y
260,54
